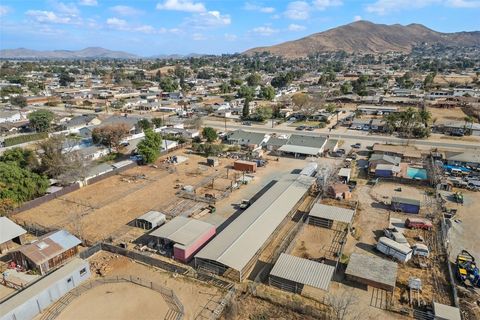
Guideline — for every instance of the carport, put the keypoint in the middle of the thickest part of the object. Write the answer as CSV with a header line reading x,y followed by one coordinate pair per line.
x,y
372,271
324,216
292,273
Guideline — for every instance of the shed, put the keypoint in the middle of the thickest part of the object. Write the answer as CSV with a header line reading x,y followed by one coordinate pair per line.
x,y
32,300
406,205
324,216
185,235
372,271
310,169
48,252
150,220
212,161
444,312
339,191
246,166
344,174
10,233
291,273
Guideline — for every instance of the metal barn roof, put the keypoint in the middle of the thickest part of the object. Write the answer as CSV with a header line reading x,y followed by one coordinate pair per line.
x,y
331,213
154,217
303,271
406,201
9,230
183,231
237,244
300,149
372,268
445,312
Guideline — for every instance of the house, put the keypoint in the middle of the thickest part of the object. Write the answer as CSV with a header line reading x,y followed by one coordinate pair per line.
x,y
247,138
130,122
377,125
458,128
361,124
302,145
48,252
378,110
407,153
93,152
406,205
82,121
11,235
386,170
184,236
377,159
168,145
275,142
470,158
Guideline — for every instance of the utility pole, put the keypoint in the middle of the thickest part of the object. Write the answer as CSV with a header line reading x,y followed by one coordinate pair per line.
x,y
225,118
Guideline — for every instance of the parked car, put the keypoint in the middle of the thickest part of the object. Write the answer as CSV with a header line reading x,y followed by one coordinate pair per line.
x,y
341,151
420,249
300,128
395,235
247,123
357,145
310,128
418,223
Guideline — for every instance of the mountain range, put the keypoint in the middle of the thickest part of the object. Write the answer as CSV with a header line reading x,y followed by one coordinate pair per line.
x,y
87,53
368,37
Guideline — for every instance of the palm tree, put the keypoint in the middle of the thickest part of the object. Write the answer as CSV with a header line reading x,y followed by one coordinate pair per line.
x,y
469,119
425,116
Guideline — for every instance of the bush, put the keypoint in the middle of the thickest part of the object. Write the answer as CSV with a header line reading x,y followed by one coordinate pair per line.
x,y
25,138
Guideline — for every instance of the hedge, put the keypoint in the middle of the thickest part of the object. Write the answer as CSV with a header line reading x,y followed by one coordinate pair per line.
x,y
25,138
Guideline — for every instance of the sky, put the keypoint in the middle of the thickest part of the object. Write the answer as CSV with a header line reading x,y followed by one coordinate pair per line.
x,y
148,28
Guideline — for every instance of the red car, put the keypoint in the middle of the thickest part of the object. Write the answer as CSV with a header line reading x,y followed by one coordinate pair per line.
x,y
418,223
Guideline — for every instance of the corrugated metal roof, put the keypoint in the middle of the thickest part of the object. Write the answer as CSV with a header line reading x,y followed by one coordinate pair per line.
x,y
332,213
182,230
406,201
9,230
372,268
154,217
236,245
442,311
303,271
300,149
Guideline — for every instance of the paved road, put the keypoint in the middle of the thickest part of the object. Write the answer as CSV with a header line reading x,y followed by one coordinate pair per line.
x,y
350,136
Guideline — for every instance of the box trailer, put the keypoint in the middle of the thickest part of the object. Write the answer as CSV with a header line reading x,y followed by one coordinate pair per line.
x,y
246,166
394,249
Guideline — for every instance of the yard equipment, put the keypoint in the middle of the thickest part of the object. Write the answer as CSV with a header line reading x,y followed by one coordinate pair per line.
x,y
467,270
458,196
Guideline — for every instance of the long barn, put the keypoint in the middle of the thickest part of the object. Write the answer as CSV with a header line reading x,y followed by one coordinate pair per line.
x,y
234,251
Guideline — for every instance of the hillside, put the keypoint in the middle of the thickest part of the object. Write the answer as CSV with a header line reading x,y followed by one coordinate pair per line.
x,y
87,53
368,37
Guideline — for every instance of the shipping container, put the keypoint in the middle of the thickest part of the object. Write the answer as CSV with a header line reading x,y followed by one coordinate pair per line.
x,y
246,166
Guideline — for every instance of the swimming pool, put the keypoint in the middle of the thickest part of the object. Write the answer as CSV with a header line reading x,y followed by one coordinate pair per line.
x,y
417,173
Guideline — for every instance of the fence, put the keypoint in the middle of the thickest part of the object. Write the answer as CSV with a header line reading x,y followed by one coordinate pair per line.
x,y
176,309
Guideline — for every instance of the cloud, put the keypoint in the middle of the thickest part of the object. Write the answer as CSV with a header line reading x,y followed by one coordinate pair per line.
x,y
209,19
4,10
230,37
382,7
123,25
88,3
357,18
295,27
199,37
463,3
298,10
65,8
41,16
182,5
117,23
324,4
255,7
126,10
264,30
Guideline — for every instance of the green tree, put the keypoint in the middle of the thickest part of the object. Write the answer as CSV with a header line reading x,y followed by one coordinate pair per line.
x,y
110,135
19,101
210,134
157,122
254,79
262,113
18,185
41,120
149,147
246,92
168,84
225,87
246,108
22,158
330,108
267,92
144,124
346,87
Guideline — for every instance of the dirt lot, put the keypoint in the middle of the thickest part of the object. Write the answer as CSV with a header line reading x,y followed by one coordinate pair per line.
x,y
445,114
97,211
447,79
120,301
196,297
315,242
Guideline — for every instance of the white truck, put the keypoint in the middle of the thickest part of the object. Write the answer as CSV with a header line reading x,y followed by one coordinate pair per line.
x,y
397,251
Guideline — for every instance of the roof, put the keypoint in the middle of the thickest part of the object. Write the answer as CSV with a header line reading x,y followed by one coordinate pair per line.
x,y
443,311
387,167
332,213
41,285
276,142
395,245
372,268
299,149
406,201
405,151
331,143
153,217
9,230
467,156
303,271
49,246
385,157
80,120
130,121
246,136
238,243
306,141
340,187
182,230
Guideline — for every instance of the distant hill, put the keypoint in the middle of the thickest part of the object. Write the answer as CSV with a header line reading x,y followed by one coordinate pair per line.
x,y
368,37
87,53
